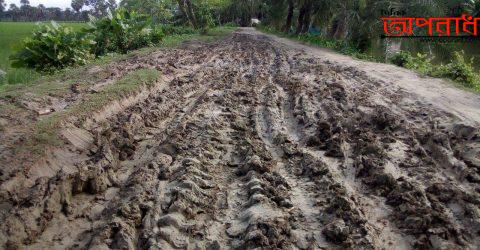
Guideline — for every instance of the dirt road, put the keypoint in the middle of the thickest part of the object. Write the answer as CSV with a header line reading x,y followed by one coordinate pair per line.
x,y
255,141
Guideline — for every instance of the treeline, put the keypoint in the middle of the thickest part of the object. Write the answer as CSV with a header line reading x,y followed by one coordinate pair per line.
x,y
357,21
35,14
352,27
77,13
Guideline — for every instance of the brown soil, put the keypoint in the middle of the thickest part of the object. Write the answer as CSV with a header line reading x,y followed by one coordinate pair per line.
x,y
256,142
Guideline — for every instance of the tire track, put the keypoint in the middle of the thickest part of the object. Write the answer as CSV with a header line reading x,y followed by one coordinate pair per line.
x,y
251,144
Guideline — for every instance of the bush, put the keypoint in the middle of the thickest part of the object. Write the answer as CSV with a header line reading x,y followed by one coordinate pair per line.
x,y
204,18
53,47
230,24
3,77
177,30
421,63
122,31
460,70
156,35
401,58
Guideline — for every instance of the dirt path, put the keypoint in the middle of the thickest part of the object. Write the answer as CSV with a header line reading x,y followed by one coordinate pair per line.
x,y
256,141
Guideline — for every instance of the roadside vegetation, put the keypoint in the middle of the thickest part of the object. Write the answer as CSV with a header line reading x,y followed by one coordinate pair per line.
x,y
12,34
353,28
350,27
111,31
45,132
460,69
55,56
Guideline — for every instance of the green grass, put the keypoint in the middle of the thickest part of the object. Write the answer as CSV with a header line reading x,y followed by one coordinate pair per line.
x,y
12,33
46,130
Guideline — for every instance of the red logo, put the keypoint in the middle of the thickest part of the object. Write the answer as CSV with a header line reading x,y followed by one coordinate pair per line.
x,y
464,26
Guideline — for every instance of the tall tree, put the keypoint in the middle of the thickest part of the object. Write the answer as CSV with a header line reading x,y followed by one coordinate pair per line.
x,y
24,3
291,8
304,16
77,5
13,7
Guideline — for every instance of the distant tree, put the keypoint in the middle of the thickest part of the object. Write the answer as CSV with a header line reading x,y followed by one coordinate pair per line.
x,y
99,7
160,11
77,5
24,2
40,13
13,7
3,6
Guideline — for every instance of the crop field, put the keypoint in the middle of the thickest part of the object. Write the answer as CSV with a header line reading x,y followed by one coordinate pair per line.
x,y
11,35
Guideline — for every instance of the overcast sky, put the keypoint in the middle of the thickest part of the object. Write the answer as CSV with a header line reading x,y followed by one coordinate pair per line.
x,y
48,3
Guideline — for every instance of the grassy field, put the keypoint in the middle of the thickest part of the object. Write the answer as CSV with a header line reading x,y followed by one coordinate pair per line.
x,y
11,35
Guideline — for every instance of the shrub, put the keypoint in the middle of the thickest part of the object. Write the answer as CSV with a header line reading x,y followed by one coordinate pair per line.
x,y
401,58
421,63
204,18
3,76
156,35
230,24
53,47
460,70
177,30
122,31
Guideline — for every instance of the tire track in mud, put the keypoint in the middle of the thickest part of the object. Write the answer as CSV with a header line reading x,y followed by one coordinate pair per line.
x,y
254,145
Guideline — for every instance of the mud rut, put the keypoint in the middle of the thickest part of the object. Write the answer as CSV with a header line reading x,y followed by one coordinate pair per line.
x,y
251,144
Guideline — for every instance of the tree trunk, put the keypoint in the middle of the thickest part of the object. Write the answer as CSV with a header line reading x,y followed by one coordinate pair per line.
x,y
301,17
190,13
306,19
340,31
288,23
183,6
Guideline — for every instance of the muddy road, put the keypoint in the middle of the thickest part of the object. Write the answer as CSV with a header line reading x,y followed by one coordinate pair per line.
x,y
252,143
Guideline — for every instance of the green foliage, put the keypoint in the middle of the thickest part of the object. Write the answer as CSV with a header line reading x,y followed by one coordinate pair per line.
x,y
160,11
401,58
12,33
204,18
169,30
230,24
461,70
420,62
341,46
3,75
156,35
53,47
122,31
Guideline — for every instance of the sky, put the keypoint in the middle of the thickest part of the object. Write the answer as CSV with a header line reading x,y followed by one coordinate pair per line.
x,y
48,3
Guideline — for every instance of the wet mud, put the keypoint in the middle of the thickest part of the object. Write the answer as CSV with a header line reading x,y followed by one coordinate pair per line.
x,y
251,144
